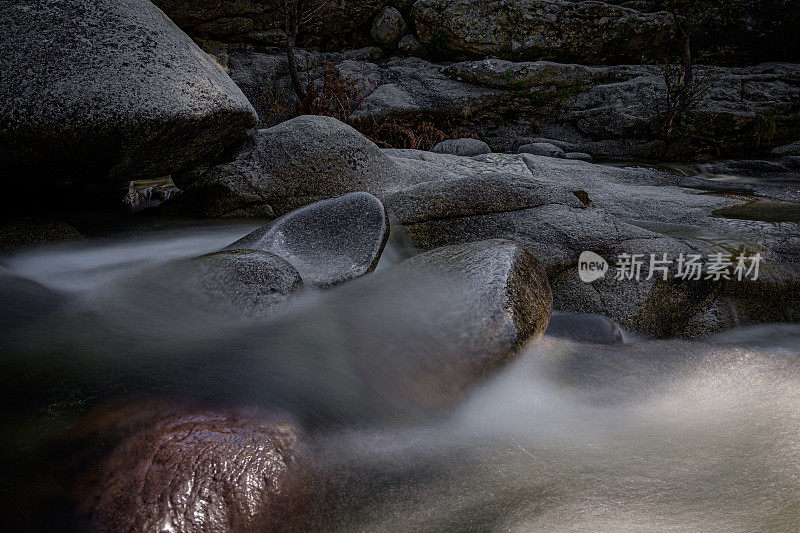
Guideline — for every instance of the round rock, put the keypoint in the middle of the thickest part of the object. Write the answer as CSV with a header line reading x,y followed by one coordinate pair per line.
x,y
165,467
295,163
328,242
545,149
388,28
466,147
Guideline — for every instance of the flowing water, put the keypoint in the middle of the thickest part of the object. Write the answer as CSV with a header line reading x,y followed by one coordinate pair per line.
x,y
643,436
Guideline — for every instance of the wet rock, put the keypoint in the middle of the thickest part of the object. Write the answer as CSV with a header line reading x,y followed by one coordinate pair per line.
x,y
233,283
303,160
584,31
243,281
545,149
109,91
388,28
408,340
328,242
584,328
160,466
466,147
27,231
512,286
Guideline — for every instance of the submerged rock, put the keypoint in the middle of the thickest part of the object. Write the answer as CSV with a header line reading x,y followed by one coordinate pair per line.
x,y
297,162
166,467
328,242
110,91
466,147
584,328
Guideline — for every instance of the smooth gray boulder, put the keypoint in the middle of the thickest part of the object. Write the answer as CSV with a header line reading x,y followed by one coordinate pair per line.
x,y
472,195
109,90
388,28
578,156
545,149
559,208
297,162
328,242
245,281
466,147
238,282
584,328
513,301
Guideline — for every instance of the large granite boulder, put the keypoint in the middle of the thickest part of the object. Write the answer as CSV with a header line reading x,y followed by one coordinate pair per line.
x,y
329,242
584,31
109,90
297,162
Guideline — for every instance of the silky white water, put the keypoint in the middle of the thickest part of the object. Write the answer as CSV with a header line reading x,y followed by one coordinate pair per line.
x,y
646,436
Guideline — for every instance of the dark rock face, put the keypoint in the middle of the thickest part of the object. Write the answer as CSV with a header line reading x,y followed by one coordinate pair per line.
x,y
334,24
604,111
328,242
297,162
26,231
584,328
465,147
586,31
163,467
109,89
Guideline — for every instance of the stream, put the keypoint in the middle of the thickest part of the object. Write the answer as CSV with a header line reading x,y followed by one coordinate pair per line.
x,y
643,436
